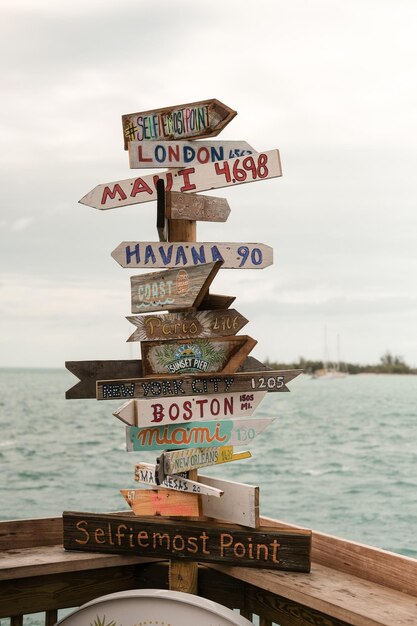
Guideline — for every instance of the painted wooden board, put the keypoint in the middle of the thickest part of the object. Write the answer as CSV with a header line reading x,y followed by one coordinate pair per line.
x,y
238,432
172,289
187,459
213,302
258,167
154,153
192,206
195,356
265,547
270,380
192,408
146,473
90,371
239,503
205,118
162,502
186,325
155,254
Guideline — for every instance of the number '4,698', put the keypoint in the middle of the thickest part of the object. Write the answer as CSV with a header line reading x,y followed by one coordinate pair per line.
x,y
256,166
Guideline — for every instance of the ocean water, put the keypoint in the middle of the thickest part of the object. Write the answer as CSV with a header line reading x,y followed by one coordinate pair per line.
x,y
341,457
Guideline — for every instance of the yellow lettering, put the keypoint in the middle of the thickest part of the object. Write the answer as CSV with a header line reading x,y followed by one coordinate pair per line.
x,y
78,527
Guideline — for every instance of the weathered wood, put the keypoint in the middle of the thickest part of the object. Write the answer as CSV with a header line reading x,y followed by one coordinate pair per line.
x,y
220,323
187,206
22,533
258,167
16,620
145,412
204,542
89,372
213,302
51,617
183,576
162,502
205,118
269,380
239,503
195,356
157,254
146,473
161,217
172,289
238,432
177,461
153,154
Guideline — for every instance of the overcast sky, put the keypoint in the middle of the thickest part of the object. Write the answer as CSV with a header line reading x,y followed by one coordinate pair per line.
x,y
331,84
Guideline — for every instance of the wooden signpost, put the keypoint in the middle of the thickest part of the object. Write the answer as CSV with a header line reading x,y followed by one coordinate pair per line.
x,y
205,118
172,289
186,325
148,254
192,394
270,380
153,154
259,167
213,354
167,410
238,432
187,206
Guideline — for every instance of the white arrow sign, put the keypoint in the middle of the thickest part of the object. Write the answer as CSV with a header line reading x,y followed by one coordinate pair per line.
x,y
154,154
145,473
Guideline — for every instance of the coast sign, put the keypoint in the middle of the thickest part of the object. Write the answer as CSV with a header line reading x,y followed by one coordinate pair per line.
x,y
238,432
260,166
192,408
156,387
205,118
172,289
186,325
155,254
153,154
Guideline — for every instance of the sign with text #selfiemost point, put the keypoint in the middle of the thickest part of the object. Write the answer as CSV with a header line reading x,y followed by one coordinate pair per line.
x,y
205,118
191,206
153,154
186,325
260,166
269,380
187,459
149,254
172,289
238,432
195,356
192,408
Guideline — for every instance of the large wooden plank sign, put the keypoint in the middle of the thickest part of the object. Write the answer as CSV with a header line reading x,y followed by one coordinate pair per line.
x,y
196,356
238,432
153,154
257,167
172,289
186,325
192,408
192,206
265,547
205,118
162,502
154,254
90,371
269,380
178,461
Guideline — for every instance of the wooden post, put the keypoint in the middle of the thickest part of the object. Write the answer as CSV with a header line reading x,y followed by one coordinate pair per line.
x,y
183,576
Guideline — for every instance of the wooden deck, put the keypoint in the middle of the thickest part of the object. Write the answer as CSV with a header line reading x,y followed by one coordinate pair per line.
x,y
349,583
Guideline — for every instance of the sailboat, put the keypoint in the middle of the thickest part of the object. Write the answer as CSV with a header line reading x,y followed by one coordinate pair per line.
x,y
329,369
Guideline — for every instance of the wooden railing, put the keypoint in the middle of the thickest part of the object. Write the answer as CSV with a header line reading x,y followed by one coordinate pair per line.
x,y
349,583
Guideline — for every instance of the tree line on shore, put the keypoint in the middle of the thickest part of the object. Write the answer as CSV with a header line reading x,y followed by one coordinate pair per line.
x,y
389,364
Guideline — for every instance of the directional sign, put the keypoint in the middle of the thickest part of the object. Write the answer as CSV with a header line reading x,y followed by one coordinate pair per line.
x,y
191,206
145,473
189,179
194,435
172,289
182,121
270,380
162,502
186,325
214,302
143,154
152,254
188,459
195,356
194,408
205,541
